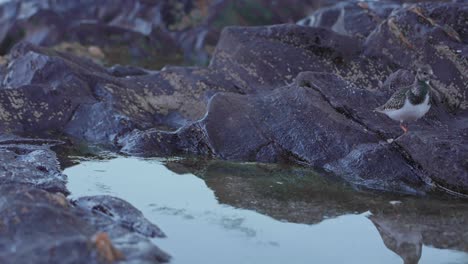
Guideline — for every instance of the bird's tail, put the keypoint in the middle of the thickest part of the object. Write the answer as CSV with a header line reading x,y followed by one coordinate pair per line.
x,y
379,109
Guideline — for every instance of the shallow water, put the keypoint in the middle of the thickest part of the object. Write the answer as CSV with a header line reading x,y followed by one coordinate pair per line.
x,y
218,212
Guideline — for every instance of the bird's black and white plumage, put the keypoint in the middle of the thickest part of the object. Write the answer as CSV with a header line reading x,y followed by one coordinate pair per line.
x,y
412,102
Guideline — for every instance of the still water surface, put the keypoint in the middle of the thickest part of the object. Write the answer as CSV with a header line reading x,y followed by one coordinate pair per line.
x,y
215,212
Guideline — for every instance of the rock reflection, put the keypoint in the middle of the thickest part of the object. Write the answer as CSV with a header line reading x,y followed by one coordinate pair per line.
x,y
301,195
416,222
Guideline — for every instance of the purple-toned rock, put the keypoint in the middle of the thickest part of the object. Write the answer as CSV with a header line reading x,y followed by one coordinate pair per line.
x,y
39,224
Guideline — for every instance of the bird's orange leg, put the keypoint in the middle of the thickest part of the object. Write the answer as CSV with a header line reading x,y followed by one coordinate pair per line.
x,y
405,129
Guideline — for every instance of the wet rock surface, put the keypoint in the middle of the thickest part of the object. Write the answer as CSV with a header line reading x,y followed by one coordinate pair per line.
x,y
91,229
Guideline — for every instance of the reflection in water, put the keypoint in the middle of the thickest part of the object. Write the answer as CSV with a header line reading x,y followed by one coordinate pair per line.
x,y
258,213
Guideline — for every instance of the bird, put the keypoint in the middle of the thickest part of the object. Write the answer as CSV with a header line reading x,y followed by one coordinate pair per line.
x,y
412,102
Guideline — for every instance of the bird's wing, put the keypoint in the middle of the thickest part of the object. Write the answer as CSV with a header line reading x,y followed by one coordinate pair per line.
x,y
396,101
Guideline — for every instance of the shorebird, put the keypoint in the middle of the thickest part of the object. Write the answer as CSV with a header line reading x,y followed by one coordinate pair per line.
x,y
411,102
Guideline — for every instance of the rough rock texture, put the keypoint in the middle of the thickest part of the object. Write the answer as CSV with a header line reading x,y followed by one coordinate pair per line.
x,y
435,34
29,164
284,93
350,18
46,91
121,212
139,32
90,230
326,120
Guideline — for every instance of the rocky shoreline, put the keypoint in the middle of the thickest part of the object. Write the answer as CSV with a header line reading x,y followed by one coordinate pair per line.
x,y
300,94
40,225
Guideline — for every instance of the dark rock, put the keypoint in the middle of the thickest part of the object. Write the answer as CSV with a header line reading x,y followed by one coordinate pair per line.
x,y
342,136
127,31
254,128
284,52
98,122
367,160
8,13
443,153
357,19
66,234
124,71
258,100
398,79
62,237
120,212
34,165
433,34
139,32
32,190
284,94
45,91
187,140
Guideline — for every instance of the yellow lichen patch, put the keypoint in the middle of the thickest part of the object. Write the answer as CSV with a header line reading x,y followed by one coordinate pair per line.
x,y
16,99
37,114
110,87
398,33
461,65
174,79
3,60
44,105
93,53
96,52
251,70
27,194
418,11
453,94
451,32
446,28
452,97
16,103
4,114
365,6
58,198
105,249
